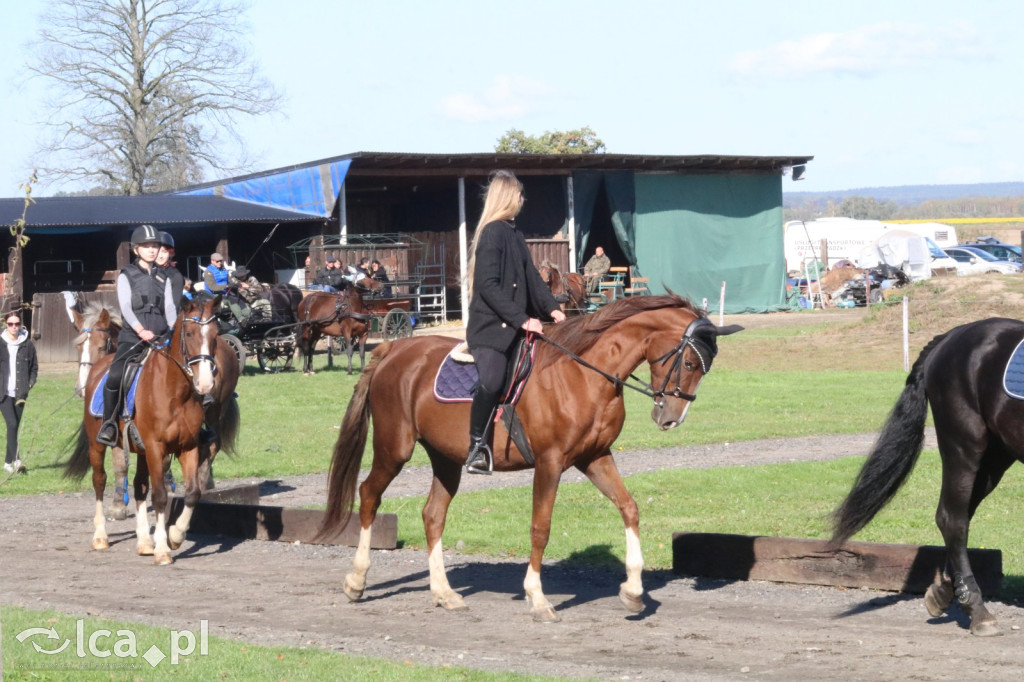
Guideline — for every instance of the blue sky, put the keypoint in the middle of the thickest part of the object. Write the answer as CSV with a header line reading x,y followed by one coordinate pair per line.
x,y
880,93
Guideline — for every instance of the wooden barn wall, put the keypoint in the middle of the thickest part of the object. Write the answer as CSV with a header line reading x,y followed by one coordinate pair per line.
x,y
52,331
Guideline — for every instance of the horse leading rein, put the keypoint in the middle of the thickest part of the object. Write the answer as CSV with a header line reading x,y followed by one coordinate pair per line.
x,y
675,357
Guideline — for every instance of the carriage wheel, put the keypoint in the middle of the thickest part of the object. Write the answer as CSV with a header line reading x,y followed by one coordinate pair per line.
x,y
238,347
275,352
397,325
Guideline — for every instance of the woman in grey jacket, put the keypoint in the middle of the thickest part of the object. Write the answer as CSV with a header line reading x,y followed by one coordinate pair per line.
x,y
506,298
18,370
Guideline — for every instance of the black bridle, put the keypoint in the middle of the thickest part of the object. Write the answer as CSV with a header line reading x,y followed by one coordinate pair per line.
x,y
107,345
703,351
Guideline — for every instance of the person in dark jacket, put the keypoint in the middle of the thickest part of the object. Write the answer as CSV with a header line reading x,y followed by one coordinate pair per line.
x,y
380,274
330,278
165,259
506,298
148,311
18,370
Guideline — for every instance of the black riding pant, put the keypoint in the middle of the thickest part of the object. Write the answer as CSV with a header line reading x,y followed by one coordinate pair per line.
x,y
126,352
492,368
11,411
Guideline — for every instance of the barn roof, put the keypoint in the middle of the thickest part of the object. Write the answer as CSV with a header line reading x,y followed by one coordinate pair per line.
x,y
55,215
403,163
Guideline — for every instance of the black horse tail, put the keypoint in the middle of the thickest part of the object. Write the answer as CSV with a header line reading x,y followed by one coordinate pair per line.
x,y
348,451
78,465
893,457
227,428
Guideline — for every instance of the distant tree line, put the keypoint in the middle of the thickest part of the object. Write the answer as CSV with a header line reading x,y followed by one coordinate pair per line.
x,y
870,208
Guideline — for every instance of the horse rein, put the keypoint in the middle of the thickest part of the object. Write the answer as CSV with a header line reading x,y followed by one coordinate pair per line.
x,y
675,356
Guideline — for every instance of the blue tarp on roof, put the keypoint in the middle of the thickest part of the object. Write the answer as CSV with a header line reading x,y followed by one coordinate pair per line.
x,y
296,190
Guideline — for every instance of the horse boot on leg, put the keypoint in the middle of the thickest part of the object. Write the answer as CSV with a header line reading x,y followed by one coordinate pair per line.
x,y
107,434
479,460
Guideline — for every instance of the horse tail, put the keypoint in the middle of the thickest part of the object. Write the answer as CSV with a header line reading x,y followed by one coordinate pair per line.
x,y
892,458
227,429
78,465
348,451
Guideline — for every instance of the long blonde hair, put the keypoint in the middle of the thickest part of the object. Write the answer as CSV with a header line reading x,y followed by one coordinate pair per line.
x,y
502,201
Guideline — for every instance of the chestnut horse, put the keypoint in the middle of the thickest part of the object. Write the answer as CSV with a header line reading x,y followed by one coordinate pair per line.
x,y
342,315
960,374
569,290
572,410
168,416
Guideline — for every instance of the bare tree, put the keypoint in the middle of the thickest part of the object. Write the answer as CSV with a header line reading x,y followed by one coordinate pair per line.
x,y
142,90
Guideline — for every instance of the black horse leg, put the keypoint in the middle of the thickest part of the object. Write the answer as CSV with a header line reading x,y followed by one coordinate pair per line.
x,y
959,500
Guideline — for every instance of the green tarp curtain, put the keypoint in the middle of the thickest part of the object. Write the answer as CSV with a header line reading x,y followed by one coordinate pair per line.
x,y
695,231
621,196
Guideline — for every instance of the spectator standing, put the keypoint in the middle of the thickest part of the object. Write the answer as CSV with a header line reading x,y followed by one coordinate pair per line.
x,y
18,369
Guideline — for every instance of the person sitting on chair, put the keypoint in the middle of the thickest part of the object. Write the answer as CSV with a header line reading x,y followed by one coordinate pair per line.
x,y
595,269
146,299
380,274
330,278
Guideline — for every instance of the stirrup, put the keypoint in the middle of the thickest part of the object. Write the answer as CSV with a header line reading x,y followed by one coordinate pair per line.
x,y
110,442
480,461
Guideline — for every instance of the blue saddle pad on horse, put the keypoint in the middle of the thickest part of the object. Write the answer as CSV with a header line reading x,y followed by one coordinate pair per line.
x,y
96,404
455,381
1013,377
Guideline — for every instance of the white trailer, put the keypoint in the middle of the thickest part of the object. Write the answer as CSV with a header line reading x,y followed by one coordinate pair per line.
x,y
847,238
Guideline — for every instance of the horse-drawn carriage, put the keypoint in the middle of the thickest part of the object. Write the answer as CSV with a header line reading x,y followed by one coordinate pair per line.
x,y
268,332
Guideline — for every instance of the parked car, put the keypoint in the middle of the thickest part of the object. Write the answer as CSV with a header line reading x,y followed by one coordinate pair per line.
x,y
972,261
1000,250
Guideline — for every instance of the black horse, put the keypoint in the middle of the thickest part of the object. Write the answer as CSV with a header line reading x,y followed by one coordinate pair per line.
x,y
980,431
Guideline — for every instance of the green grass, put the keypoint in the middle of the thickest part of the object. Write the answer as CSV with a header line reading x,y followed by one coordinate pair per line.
x,y
224,660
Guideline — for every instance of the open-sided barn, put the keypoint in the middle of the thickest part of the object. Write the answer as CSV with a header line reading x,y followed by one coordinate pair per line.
x,y
688,223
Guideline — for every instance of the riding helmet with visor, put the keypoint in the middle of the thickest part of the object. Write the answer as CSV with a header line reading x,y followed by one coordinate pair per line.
x,y
145,234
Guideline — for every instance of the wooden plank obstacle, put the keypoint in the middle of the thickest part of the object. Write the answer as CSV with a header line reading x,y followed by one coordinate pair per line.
x,y
900,568
236,512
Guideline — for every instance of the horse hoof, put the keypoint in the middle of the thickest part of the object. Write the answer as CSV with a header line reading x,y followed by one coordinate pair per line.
x,y
452,602
117,513
145,550
351,591
175,537
100,543
546,614
934,602
986,628
633,603
163,559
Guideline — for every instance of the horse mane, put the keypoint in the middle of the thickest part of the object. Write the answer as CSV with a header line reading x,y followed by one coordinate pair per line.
x,y
92,311
578,334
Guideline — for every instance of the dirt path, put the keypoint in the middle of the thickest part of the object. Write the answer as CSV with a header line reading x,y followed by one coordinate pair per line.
x,y
692,629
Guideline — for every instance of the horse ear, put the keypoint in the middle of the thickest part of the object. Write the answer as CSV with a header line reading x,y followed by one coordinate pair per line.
x,y
104,316
728,329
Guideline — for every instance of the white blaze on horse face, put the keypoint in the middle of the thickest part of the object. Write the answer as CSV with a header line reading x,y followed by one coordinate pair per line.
x,y
204,378
663,414
84,365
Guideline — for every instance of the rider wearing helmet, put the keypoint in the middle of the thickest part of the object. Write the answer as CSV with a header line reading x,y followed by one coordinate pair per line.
x,y
147,309
165,259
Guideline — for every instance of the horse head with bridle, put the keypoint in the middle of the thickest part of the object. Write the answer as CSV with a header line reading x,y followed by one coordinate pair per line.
x,y
571,411
98,327
167,418
569,290
342,315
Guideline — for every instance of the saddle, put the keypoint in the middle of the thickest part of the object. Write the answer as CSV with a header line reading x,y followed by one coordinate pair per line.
x,y
457,378
132,372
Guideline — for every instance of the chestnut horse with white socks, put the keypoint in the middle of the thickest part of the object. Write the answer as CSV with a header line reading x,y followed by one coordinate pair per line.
x,y
571,409
168,416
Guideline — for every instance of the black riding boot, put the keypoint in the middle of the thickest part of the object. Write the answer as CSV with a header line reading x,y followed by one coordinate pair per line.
x,y
478,461
107,434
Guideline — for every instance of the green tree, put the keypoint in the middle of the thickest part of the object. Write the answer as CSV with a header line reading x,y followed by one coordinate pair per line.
x,y
142,88
581,141
867,208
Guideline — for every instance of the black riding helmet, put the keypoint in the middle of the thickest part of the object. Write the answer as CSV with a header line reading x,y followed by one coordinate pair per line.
x,y
166,239
145,234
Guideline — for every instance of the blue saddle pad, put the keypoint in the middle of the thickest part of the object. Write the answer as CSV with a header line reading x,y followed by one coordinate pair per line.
x,y
455,381
1013,377
96,404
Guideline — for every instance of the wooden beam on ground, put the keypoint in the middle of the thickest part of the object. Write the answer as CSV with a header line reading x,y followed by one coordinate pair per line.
x,y
902,568
265,522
